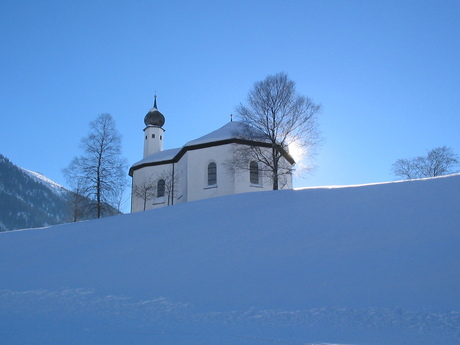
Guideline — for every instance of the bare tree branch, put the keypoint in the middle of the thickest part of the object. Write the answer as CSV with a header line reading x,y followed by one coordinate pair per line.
x,y
439,161
277,115
146,190
100,171
171,182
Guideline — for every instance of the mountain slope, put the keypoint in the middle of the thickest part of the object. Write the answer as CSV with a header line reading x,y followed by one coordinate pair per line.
x,y
375,264
28,199
57,188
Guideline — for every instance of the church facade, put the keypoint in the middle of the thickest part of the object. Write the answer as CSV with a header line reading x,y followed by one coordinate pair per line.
x,y
200,169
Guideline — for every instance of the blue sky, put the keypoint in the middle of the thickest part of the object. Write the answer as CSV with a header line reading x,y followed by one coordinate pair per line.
x,y
386,73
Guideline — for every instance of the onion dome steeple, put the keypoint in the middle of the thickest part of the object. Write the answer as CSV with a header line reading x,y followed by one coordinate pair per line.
x,y
154,117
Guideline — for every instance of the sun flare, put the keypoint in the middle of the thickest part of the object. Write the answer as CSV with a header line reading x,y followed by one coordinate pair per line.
x,y
296,151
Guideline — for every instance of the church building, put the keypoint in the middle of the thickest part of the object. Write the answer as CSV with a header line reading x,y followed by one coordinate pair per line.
x,y
200,169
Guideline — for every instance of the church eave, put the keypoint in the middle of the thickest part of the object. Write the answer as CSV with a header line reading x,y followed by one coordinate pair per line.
x,y
184,149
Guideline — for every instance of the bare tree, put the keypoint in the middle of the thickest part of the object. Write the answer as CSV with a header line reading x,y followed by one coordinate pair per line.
x,y
100,171
159,185
171,182
277,115
77,203
439,161
121,197
405,169
146,190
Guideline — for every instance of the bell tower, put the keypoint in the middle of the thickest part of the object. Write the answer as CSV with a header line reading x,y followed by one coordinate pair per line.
x,y
153,132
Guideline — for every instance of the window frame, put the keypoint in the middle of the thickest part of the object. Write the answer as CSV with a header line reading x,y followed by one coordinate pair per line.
x,y
161,183
254,173
212,174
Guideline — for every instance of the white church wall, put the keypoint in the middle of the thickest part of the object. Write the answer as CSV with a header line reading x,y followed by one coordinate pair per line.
x,y
191,178
137,202
141,178
243,181
190,172
151,175
244,185
180,171
197,167
228,181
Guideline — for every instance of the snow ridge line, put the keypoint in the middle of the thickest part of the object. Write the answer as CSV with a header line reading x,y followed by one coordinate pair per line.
x,y
55,187
160,310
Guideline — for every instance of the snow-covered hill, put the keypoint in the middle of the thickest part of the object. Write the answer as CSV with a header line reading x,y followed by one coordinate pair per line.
x,y
375,264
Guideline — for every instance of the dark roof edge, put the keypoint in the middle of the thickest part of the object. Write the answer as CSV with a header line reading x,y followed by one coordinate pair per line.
x,y
184,149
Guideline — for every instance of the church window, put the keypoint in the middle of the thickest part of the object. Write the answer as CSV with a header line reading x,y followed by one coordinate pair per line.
x,y
212,174
254,173
153,135
161,188
161,137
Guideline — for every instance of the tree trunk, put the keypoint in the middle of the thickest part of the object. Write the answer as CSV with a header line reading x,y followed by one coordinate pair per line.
x,y
275,169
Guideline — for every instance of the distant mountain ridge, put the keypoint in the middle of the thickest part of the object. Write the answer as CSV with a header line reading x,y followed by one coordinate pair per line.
x,y
29,199
39,177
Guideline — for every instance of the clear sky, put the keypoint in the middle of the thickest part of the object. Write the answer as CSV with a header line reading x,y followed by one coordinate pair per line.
x,y
387,74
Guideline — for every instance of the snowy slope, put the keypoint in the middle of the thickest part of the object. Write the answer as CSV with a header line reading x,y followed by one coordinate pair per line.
x,y
376,264
55,187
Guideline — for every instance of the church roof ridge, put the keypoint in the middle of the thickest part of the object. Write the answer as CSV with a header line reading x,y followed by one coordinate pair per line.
x,y
160,156
230,132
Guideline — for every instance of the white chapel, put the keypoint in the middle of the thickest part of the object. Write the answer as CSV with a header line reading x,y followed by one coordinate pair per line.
x,y
200,169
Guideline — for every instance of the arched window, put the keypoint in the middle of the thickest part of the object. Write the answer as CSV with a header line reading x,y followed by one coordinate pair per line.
x,y
212,174
161,188
253,173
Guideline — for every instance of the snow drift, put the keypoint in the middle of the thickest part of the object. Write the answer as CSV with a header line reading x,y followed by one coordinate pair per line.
x,y
373,264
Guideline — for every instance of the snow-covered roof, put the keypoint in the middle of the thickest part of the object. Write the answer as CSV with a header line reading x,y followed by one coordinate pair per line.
x,y
226,132
161,156
230,131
